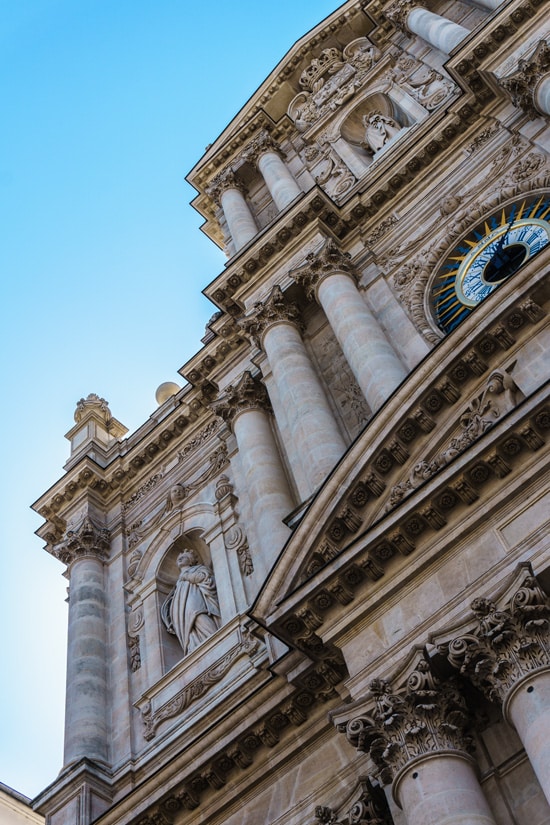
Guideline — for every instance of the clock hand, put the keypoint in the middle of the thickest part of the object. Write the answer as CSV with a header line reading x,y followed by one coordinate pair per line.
x,y
496,258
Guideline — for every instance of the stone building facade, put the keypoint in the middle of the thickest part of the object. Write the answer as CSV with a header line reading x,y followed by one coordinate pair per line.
x,y
313,586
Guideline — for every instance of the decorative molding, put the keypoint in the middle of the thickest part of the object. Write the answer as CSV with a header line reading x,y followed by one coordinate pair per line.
x,y
93,403
197,688
326,261
85,541
248,394
237,542
521,85
199,439
508,643
348,71
370,808
422,82
500,395
427,716
274,310
261,143
223,181
145,488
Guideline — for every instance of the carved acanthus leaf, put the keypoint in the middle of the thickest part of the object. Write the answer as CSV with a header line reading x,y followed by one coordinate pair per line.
x,y
328,260
521,84
273,310
86,540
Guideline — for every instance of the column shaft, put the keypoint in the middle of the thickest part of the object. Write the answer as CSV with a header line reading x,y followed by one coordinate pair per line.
x,y
527,708
241,223
86,700
315,435
266,483
442,789
370,355
439,32
279,180
542,95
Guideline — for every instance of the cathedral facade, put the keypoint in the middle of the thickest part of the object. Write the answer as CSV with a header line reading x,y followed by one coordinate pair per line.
x,y
312,589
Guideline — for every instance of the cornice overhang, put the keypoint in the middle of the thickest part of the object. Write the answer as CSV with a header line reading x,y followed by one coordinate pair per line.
x,y
349,20
437,384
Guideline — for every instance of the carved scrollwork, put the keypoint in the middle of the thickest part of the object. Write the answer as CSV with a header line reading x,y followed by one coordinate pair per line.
x,y
508,643
237,542
424,717
85,540
273,310
347,70
499,396
328,260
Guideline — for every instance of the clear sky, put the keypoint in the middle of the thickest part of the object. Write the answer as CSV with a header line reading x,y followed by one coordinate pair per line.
x,y
106,104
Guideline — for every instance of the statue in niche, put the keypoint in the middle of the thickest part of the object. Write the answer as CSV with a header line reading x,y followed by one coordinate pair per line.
x,y
379,130
192,612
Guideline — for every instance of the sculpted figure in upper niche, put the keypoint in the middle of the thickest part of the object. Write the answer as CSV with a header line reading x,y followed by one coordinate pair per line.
x,y
379,130
191,612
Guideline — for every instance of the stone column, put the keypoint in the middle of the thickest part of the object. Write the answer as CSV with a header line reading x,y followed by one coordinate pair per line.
x,y
328,275
529,85
416,737
245,406
86,730
507,657
265,154
316,438
436,30
228,192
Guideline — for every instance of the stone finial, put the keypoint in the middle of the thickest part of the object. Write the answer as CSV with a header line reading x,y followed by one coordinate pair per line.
x,y
223,181
521,85
426,716
85,540
318,265
248,394
507,644
92,403
398,12
261,143
273,310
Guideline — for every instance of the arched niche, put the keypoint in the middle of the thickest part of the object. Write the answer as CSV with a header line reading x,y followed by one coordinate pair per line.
x,y
350,140
166,577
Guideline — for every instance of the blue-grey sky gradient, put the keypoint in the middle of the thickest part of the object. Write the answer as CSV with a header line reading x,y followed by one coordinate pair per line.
x,y
106,106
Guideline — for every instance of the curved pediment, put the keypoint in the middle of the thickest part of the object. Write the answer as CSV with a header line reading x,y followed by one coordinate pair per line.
x,y
413,464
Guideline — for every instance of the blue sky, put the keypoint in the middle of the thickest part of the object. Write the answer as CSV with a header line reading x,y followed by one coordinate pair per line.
x,y
107,104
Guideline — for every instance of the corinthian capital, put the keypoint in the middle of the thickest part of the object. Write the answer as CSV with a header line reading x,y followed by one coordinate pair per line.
x,y
508,643
521,84
223,181
426,716
318,265
398,12
259,145
274,310
248,394
86,540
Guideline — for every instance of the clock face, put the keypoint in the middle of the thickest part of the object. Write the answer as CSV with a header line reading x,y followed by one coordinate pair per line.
x,y
489,255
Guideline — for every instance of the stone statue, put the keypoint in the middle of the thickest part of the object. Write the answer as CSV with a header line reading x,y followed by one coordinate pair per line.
x,y
379,130
191,612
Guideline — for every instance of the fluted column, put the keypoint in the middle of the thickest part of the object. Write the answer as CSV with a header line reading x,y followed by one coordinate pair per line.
x,y
529,85
507,657
417,738
245,406
228,192
328,275
265,154
438,31
315,436
86,730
